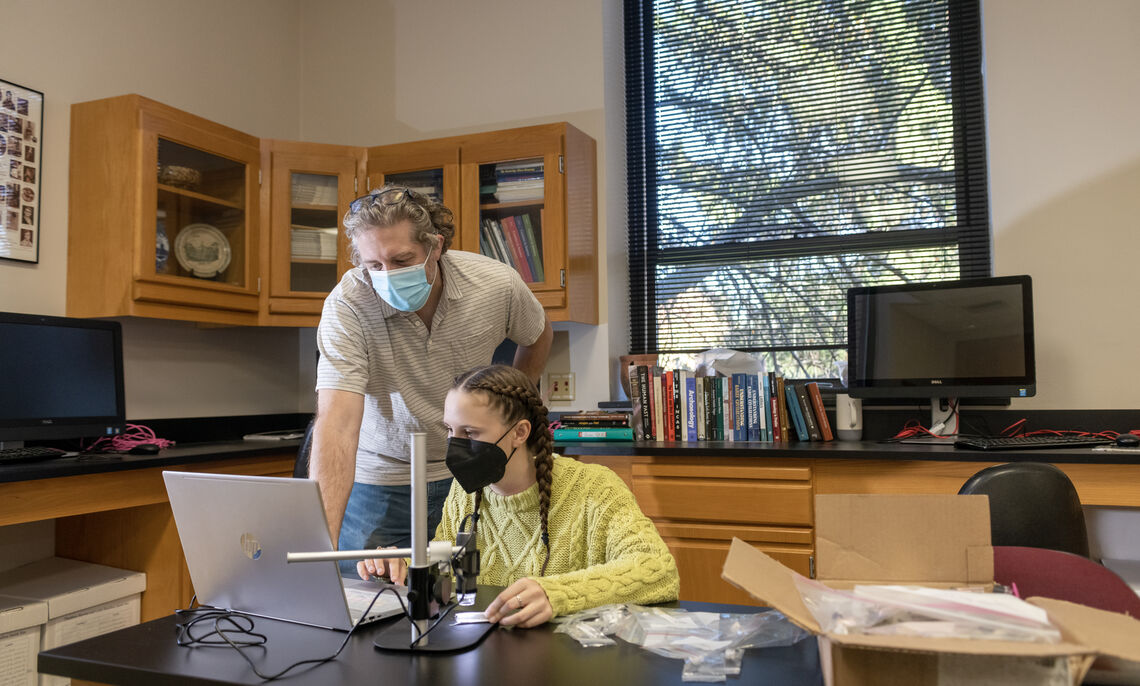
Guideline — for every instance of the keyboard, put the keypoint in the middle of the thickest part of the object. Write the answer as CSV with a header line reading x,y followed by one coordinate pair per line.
x,y
1028,442
33,454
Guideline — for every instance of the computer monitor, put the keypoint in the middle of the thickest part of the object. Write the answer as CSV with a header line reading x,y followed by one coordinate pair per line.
x,y
60,378
943,340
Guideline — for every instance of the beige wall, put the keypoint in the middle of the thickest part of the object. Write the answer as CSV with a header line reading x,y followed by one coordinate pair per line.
x,y
419,70
1063,99
236,63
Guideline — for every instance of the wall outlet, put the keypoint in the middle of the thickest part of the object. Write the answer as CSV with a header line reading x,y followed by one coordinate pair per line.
x,y
561,386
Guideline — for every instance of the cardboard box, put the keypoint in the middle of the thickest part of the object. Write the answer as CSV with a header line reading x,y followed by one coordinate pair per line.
x,y
924,540
20,622
82,600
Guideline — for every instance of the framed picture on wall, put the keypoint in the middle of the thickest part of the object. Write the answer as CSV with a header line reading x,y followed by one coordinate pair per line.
x,y
21,171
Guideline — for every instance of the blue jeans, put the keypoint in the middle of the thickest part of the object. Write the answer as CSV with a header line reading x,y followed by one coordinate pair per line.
x,y
380,516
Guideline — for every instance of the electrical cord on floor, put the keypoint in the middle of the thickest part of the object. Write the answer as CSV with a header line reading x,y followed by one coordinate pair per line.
x,y
241,625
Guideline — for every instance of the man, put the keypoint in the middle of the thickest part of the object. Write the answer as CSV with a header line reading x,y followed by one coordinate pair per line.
x,y
394,334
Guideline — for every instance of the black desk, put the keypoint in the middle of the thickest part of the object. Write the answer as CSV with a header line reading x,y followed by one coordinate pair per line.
x,y
147,655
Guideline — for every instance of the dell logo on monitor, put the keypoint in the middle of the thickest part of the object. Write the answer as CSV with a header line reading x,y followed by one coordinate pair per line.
x,y
936,382
250,546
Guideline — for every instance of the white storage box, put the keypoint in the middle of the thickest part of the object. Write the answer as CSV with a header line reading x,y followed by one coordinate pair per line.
x,y
20,623
83,600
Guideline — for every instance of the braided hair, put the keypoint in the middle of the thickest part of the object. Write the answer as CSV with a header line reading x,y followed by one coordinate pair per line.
x,y
511,393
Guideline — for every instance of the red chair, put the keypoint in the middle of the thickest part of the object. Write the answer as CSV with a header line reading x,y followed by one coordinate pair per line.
x,y
1063,576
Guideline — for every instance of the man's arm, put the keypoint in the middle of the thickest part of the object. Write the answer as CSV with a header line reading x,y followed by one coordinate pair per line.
x,y
332,463
532,358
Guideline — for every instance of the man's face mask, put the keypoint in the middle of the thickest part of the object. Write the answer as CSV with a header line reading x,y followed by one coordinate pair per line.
x,y
477,464
405,289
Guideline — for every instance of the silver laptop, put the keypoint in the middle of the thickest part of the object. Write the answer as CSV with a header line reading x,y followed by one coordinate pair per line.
x,y
235,532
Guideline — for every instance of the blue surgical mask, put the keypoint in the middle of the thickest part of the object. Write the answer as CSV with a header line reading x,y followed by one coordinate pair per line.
x,y
405,289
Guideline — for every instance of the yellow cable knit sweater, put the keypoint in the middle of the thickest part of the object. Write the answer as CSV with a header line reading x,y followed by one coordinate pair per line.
x,y
602,548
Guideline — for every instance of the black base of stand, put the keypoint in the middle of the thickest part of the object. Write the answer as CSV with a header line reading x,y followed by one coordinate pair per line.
x,y
447,637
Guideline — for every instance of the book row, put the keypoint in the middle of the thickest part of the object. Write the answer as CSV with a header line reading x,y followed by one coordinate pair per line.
x,y
677,405
516,241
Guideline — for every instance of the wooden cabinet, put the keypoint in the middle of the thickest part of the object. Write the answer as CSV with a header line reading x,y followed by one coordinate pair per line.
x,y
123,519
163,215
526,196
529,196
699,504
310,188
176,217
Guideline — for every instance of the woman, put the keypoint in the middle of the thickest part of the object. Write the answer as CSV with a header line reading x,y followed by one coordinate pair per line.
x,y
561,536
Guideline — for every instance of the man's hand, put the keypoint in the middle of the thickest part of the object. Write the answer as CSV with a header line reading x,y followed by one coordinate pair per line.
x,y
523,604
394,568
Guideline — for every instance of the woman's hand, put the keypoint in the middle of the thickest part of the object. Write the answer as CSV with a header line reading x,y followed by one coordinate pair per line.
x,y
394,568
523,604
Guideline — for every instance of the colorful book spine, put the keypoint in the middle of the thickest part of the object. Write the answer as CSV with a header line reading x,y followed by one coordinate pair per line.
x,y
678,406
751,426
702,408
536,263
644,391
667,400
782,408
598,434
794,413
765,408
820,412
740,406
518,253
690,407
718,411
658,407
774,406
528,249
496,232
809,415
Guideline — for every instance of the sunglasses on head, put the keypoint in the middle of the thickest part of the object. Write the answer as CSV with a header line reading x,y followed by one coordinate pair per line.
x,y
393,195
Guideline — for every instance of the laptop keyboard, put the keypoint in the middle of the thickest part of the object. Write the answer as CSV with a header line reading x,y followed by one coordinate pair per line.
x,y
386,605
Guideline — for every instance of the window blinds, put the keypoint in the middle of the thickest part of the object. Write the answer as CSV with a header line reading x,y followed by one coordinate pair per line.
x,y
782,151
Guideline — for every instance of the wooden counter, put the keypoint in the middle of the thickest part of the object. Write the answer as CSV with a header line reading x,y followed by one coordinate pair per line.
x,y
115,511
701,495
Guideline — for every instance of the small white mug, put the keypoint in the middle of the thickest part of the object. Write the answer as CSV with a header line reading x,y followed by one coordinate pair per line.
x,y
848,417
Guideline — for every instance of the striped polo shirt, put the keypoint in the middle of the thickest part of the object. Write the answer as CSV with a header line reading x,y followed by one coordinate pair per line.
x,y
403,370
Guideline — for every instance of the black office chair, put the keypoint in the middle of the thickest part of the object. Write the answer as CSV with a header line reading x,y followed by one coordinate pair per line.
x,y
301,466
1031,504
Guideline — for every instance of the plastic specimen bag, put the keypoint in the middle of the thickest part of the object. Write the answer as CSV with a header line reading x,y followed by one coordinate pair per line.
x,y
711,644
921,611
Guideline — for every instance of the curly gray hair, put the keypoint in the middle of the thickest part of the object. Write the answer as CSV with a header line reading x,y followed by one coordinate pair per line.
x,y
392,204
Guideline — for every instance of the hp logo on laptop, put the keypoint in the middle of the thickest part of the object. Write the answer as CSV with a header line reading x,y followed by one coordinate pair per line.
x,y
250,546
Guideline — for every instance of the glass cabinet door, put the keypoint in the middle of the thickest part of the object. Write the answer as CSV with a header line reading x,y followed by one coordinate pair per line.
x,y
311,187
511,214
200,219
313,220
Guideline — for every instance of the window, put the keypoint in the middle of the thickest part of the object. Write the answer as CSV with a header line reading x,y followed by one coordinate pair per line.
x,y
782,151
